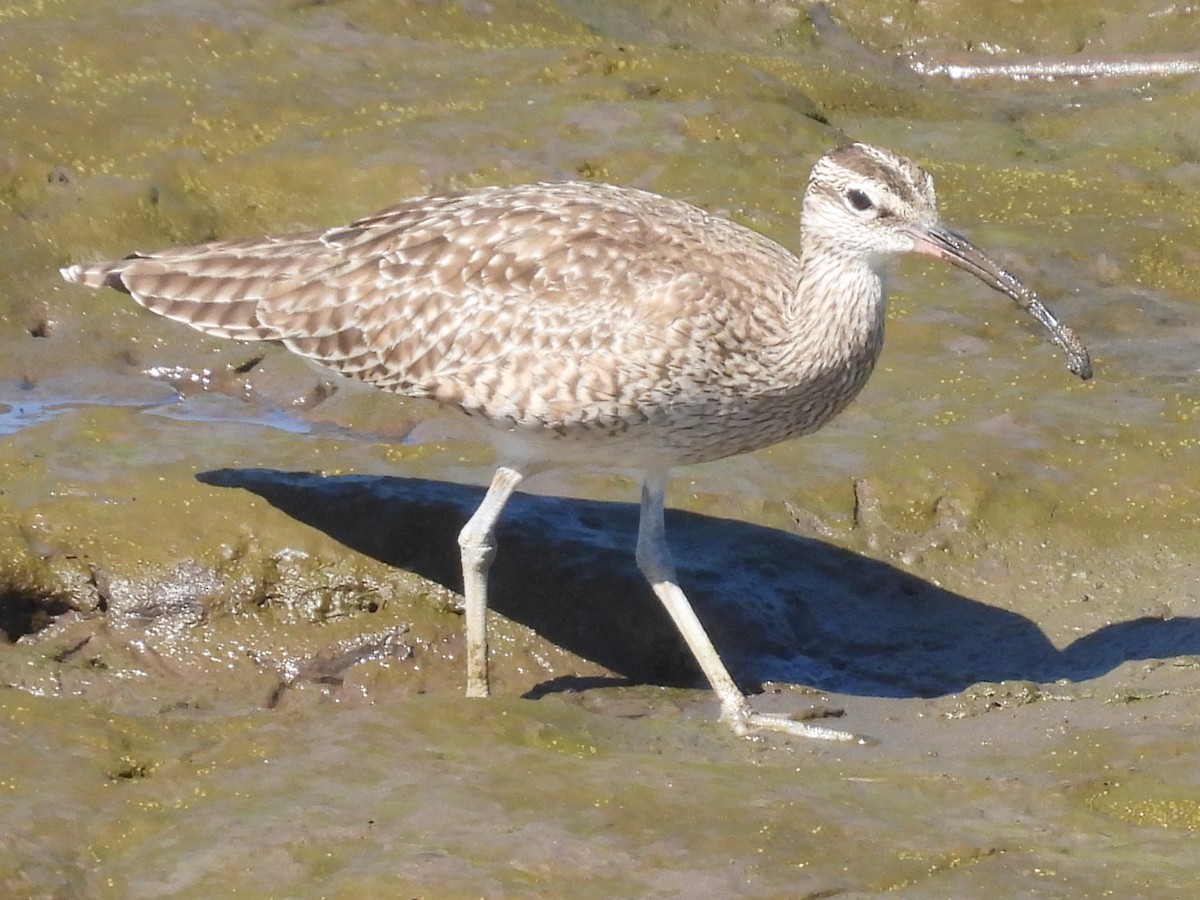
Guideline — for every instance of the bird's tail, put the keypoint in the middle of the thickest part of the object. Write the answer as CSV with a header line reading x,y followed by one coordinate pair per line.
x,y
98,275
216,288
293,288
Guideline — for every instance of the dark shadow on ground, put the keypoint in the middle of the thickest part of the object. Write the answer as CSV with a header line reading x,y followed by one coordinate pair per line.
x,y
779,607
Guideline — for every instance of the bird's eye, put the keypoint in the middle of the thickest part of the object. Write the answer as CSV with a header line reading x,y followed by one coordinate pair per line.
x,y
858,200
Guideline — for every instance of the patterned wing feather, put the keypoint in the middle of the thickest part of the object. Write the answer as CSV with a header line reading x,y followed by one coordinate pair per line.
x,y
538,303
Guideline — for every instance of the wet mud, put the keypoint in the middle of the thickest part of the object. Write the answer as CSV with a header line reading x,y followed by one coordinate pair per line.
x,y
231,658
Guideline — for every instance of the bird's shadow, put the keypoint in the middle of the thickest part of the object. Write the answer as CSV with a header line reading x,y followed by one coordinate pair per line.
x,y
779,607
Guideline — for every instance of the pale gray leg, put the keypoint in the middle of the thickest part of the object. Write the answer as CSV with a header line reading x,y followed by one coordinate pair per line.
x,y
477,541
654,559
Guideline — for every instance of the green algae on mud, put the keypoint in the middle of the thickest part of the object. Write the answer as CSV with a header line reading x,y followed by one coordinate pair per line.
x,y
210,805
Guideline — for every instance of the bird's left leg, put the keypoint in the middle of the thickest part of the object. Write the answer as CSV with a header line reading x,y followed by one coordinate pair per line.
x,y
478,544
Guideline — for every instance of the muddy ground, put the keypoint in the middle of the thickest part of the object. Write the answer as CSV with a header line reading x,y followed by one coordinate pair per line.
x,y
233,657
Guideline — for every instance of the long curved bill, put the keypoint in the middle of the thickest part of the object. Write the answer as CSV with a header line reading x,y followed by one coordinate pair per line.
x,y
940,242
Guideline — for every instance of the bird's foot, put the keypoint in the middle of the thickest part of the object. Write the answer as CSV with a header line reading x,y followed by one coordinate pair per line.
x,y
746,722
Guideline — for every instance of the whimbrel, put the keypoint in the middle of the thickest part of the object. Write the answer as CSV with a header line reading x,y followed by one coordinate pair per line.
x,y
589,324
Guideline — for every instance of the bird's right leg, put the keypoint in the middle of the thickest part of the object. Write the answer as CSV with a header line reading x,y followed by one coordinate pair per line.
x,y
654,559
478,544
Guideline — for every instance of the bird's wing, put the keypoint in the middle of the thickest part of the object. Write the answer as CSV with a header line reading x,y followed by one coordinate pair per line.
x,y
541,296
